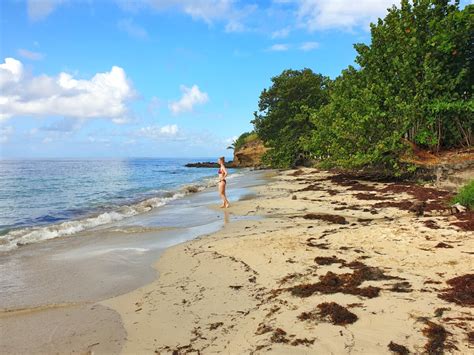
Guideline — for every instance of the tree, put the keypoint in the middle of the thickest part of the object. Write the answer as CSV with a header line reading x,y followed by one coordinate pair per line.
x,y
282,120
414,81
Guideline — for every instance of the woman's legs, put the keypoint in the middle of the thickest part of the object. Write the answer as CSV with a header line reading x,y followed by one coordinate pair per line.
x,y
225,202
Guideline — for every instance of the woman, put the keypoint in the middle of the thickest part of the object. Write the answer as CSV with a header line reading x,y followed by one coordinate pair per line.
x,y
222,175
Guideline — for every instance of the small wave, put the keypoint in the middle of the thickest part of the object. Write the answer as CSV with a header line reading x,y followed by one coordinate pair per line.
x,y
16,238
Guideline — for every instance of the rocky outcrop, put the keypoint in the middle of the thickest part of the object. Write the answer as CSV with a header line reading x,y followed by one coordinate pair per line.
x,y
250,154
208,164
449,170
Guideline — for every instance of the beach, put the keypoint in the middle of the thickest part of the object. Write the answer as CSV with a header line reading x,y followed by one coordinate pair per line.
x,y
332,265
50,290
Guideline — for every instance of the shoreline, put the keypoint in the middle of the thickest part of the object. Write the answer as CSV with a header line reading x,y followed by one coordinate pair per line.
x,y
52,290
336,265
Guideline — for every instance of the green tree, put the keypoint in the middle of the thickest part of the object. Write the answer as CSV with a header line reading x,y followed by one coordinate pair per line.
x,y
414,81
282,120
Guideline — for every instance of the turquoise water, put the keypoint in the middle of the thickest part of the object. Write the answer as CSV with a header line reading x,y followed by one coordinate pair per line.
x,y
44,199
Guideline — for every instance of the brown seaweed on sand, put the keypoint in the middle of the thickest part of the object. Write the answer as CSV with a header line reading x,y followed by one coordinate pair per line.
x,y
347,283
369,197
443,245
328,260
304,341
311,243
334,283
326,217
401,287
461,291
398,349
338,314
431,224
436,335
466,221
279,336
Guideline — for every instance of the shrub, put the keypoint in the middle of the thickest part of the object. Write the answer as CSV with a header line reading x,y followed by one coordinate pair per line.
x,y
465,196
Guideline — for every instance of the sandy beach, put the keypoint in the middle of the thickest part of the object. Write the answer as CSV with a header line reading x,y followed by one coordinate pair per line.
x,y
335,265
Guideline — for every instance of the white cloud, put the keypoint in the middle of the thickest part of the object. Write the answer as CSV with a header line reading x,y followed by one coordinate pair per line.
x,y
209,11
40,9
191,96
25,53
5,133
279,47
133,30
283,33
157,132
309,46
105,95
343,14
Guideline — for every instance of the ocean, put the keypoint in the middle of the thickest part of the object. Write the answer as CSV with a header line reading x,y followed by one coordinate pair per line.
x,y
46,199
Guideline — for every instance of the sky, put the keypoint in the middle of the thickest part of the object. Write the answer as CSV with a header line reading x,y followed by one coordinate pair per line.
x,y
158,78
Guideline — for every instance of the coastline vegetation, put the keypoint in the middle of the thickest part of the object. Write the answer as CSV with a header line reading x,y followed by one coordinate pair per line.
x,y
465,196
412,85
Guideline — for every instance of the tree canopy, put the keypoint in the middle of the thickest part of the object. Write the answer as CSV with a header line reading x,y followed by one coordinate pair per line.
x,y
413,82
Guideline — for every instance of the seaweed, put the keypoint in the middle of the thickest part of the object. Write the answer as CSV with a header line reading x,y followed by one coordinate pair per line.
x,y
437,336
216,325
439,311
401,287
431,224
304,341
470,337
398,349
465,221
334,283
311,243
279,336
311,187
369,197
327,260
443,245
338,314
461,291
263,328
326,217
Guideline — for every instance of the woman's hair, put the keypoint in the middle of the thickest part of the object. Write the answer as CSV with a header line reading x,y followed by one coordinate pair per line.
x,y
222,159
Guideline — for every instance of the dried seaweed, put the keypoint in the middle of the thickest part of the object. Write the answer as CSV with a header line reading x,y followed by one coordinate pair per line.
x,y
398,349
338,314
326,217
461,291
436,335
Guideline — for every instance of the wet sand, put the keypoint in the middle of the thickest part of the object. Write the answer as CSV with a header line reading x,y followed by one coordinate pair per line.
x,y
49,291
337,265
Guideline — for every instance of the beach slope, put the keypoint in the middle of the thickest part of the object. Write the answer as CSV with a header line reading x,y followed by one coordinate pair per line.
x,y
335,265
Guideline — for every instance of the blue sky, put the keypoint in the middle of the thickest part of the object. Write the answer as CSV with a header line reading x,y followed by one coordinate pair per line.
x,y
157,78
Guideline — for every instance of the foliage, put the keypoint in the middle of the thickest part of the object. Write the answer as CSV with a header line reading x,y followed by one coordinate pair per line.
x,y
415,81
282,120
465,196
243,139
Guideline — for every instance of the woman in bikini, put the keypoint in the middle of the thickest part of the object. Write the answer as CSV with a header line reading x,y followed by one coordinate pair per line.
x,y
222,175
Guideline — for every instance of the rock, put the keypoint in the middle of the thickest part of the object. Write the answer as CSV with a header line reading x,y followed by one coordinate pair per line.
x,y
208,164
458,208
250,154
